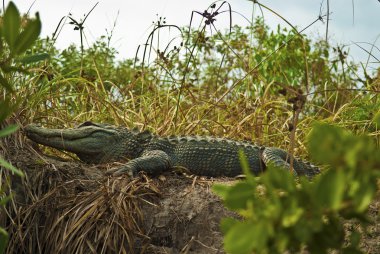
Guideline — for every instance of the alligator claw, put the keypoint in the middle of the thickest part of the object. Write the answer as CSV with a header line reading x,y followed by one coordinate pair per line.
x,y
120,171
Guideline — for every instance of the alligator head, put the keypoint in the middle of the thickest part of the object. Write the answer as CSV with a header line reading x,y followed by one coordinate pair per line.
x,y
91,142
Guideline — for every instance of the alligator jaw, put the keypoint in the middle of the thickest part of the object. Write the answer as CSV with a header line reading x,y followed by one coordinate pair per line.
x,y
79,141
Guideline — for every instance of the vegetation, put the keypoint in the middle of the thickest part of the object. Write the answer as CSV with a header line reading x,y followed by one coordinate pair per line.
x,y
281,214
16,36
246,83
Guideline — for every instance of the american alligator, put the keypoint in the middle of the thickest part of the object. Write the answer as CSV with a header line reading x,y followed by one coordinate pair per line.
x,y
207,156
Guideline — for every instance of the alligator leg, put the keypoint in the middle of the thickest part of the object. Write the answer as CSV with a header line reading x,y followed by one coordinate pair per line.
x,y
153,162
280,158
277,157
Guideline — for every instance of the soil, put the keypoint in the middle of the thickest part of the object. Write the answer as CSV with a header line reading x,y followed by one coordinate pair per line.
x,y
68,206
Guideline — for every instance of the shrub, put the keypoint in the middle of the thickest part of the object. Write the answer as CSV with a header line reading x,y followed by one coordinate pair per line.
x,y
16,37
282,214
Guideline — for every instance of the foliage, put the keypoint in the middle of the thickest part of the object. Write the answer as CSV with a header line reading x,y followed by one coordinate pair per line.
x,y
193,75
237,83
16,37
356,114
281,215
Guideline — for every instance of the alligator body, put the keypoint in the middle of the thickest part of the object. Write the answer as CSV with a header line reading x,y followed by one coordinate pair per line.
x,y
207,156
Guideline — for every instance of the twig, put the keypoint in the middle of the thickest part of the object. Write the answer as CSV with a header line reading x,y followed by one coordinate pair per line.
x,y
328,18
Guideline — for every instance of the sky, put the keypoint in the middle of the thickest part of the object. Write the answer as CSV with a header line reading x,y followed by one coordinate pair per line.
x,y
350,20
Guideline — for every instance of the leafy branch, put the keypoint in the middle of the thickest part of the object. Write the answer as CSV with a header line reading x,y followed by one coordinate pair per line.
x,y
282,214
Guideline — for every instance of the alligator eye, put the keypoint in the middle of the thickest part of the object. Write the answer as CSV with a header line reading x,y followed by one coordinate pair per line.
x,y
87,123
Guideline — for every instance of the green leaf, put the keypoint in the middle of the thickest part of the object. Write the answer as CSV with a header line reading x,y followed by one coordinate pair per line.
x,y
7,165
5,83
291,216
355,238
34,58
227,223
9,68
351,250
245,165
3,240
330,189
4,200
221,189
7,107
330,236
280,179
363,197
239,195
244,237
376,119
27,37
282,242
330,150
11,25
8,130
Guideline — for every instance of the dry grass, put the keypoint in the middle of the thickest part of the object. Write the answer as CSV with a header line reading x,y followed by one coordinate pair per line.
x,y
74,210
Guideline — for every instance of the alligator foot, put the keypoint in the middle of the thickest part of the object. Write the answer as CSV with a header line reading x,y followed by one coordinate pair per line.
x,y
153,162
120,171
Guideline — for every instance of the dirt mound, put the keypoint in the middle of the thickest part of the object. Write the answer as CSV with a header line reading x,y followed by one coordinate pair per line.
x,y
70,207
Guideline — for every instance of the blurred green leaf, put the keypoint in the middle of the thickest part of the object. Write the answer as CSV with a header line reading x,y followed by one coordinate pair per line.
x,y
29,35
376,119
5,109
3,240
245,165
326,143
246,237
239,194
330,189
7,106
4,200
279,178
363,197
331,235
8,130
9,166
291,216
351,250
227,223
282,242
11,25
221,189
34,58
5,83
